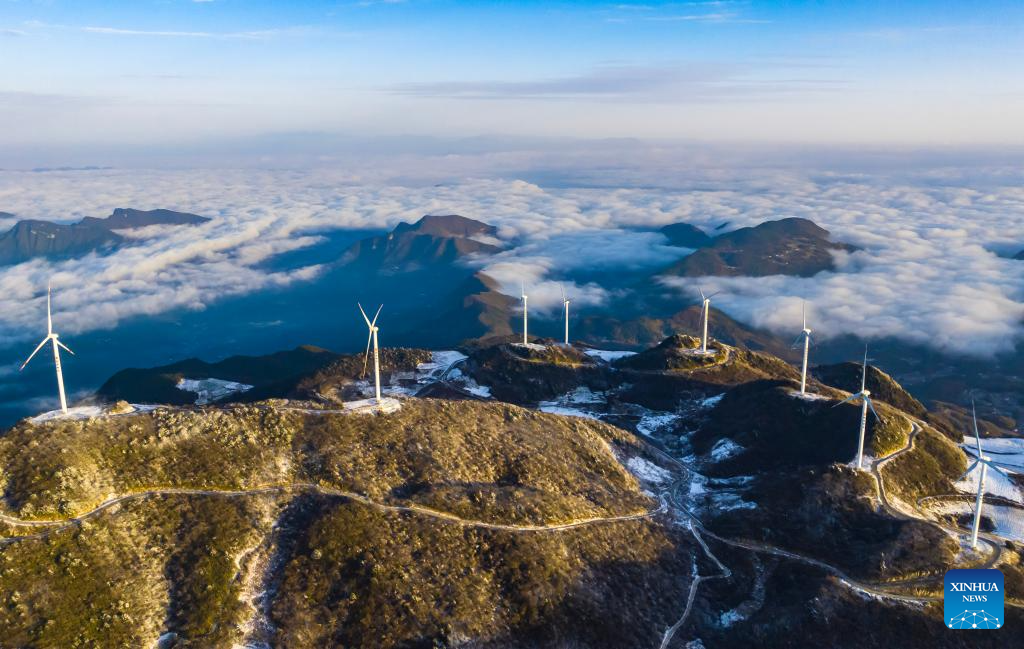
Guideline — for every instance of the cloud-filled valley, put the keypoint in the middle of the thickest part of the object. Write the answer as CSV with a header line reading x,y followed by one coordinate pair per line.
x,y
926,271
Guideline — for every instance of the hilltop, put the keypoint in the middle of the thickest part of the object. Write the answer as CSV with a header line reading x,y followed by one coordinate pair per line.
x,y
791,246
366,531
433,240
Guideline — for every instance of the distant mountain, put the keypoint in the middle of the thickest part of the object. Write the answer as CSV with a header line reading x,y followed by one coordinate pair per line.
x,y
685,235
647,330
1019,255
274,374
124,218
29,239
430,241
790,246
448,225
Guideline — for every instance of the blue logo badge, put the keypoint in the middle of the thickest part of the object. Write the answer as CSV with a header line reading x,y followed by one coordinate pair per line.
x,y
973,599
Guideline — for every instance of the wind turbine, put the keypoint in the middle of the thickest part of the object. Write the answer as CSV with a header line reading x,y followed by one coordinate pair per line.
x,y
376,356
806,335
565,303
704,316
525,298
985,462
54,338
865,396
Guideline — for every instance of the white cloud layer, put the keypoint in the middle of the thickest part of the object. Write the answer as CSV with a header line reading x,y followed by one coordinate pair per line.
x,y
925,274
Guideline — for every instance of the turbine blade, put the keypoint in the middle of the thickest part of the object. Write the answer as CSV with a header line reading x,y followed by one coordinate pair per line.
x,y
847,399
803,312
797,342
713,294
376,315
366,354
65,347
996,467
864,370
364,315
49,313
969,469
34,353
701,291
977,437
872,406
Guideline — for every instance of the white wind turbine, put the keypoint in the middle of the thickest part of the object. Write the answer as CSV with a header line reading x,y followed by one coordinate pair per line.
x,y
376,356
865,396
526,340
565,303
806,335
705,308
54,338
985,463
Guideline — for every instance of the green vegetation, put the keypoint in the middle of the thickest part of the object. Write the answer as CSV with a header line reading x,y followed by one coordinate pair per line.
x,y
929,469
489,461
124,577
359,578
343,572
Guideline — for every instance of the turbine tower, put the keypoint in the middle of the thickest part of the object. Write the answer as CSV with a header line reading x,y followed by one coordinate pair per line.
x,y
985,463
705,308
865,396
376,356
806,335
57,344
525,312
565,303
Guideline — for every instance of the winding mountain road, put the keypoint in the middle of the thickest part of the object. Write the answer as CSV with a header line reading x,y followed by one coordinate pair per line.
x,y
57,525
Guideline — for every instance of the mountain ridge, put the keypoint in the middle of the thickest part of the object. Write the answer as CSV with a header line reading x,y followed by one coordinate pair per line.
x,y
32,238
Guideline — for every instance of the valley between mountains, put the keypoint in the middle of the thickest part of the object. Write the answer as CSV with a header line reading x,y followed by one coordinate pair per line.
x,y
535,495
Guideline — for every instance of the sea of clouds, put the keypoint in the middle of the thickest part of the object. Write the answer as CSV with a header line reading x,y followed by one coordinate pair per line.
x,y
928,271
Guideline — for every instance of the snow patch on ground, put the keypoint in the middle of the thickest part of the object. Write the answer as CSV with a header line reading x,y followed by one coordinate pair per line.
x,y
808,396
554,408
1008,521
710,402
698,485
533,346
700,352
387,405
468,384
79,412
210,390
652,422
724,449
439,362
607,355
727,501
582,394
648,471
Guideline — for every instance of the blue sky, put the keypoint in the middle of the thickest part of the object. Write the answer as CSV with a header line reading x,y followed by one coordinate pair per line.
x,y
159,71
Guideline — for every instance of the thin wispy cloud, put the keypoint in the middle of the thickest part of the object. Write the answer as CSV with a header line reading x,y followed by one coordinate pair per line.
x,y
247,35
681,83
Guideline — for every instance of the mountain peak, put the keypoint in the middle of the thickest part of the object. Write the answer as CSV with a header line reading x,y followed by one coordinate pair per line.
x,y
448,225
126,217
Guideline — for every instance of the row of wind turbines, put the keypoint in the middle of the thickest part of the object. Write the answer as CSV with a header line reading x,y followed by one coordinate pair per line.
x,y
803,339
